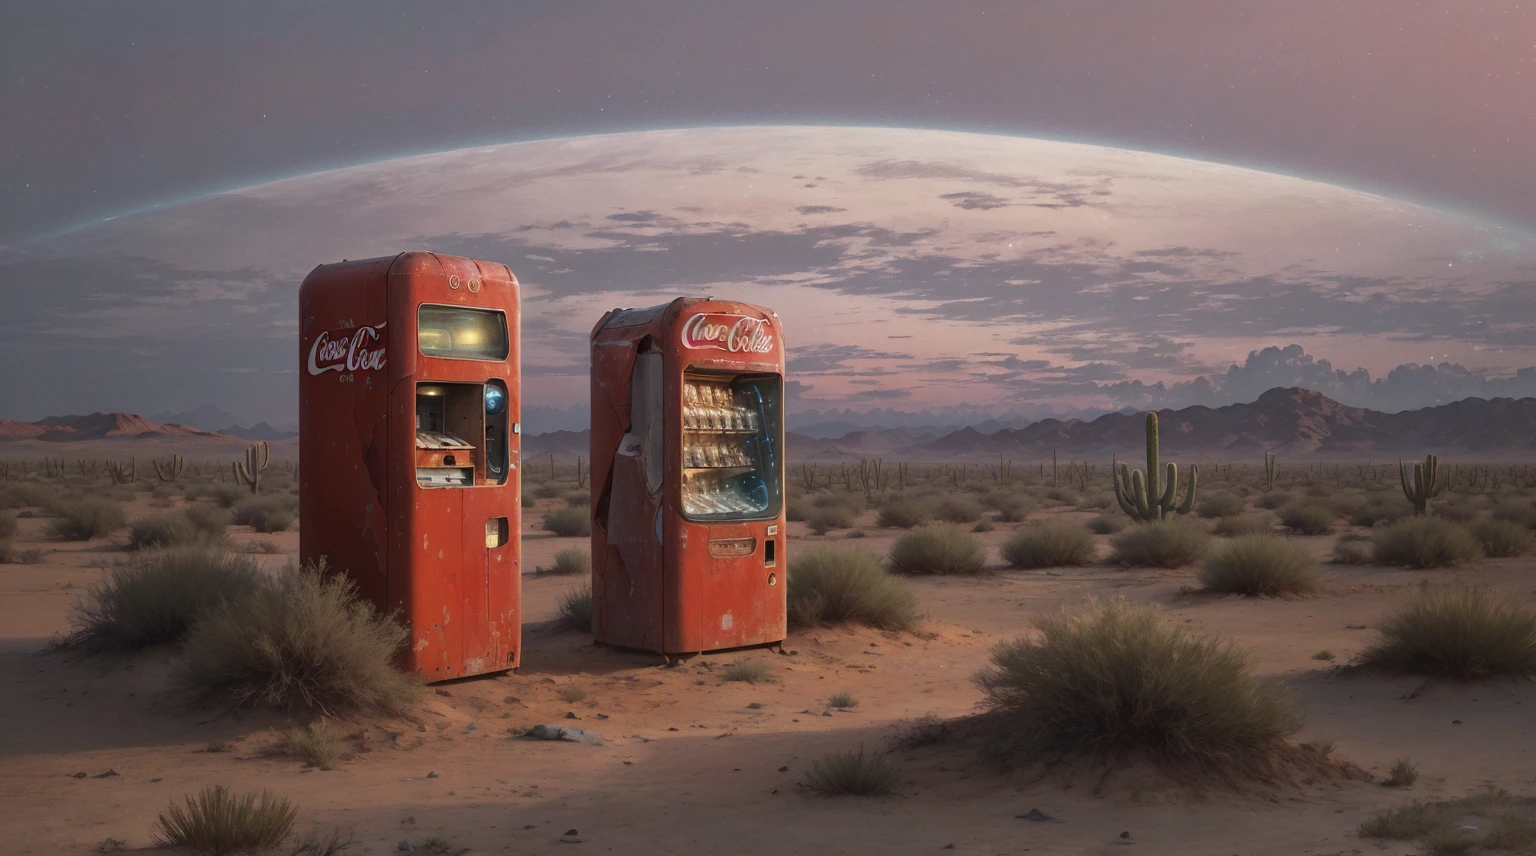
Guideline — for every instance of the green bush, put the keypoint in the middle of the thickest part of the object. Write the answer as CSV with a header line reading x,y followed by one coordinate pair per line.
x,y
1352,550
573,609
569,522
1116,678
1049,544
1460,633
1244,524
1162,544
1274,499
1095,501
1518,511
171,530
265,514
207,520
1061,496
1307,519
226,495
825,519
1456,510
548,490
7,525
572,560
1424,542
1382,509
1260,565
958,509
304,640
217,821
155,597
797,508
1222,503
832,585
1502,539
1011,507
84,519
315,744
852,774
1107,524
748,671
905,513
937,549
578,498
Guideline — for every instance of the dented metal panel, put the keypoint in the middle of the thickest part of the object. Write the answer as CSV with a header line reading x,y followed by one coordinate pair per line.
x,y
420,551
662,581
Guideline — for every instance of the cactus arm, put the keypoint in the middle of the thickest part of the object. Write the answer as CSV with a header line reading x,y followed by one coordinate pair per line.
x,y
1122,488
1139,496
1166,502
1189,496
1152,486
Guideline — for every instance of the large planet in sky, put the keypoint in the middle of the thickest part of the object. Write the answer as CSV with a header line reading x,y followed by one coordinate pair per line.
x,y
912,268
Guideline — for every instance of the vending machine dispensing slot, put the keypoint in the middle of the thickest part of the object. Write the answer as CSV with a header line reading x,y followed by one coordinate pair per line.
x,y
688,477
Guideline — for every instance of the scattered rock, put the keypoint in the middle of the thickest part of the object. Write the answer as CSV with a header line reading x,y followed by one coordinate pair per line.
x,y
1036,815
570,832
80,775
571,715
602,716
470,727
1455,722
565,733
1125,835
431,774
107,775
755,706
784,769
444,693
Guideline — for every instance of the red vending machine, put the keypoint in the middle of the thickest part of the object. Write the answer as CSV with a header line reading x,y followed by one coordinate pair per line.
x,y
688,477
409,444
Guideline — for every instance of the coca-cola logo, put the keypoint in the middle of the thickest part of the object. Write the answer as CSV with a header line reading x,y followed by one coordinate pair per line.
x,y
737,334
347,350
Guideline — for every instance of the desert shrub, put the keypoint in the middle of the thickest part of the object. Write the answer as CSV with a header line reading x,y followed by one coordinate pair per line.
x,y
1343,504
315,744
265,514
1456,632
1116,678
1424,542
209,521
577,498
525,501
937,549
226,495
1403,774
1502,539
9,555
1222,503
905,513
7,525
1274,499
217,821
1491,821
748,671
154,597
1260,565
797,508
849,501
303,640
983,525
1381,508
1107,524
572,694
1244,524
1049,544
569,522
573,609
1095,501
831,585
1317,491
571,560
852,774
1163,544
1307,519
28,495
1455,510
830,517
1518,511
548,490
261,545
84,519
1011,507
171,530
842,700
1352,550
958,509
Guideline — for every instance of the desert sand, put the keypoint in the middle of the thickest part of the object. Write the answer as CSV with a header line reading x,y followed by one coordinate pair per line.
x,y
92,748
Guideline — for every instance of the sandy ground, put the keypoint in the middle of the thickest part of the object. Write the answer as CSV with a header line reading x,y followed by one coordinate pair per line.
x,y
694,764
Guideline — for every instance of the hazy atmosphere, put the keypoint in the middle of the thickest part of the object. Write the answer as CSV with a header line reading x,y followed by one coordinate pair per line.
x,y
1030,226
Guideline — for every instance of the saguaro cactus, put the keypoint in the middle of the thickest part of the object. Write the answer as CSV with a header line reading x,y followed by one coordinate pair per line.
x,y
1138,496
122,473
1271,471
172,471
249,471
1423,485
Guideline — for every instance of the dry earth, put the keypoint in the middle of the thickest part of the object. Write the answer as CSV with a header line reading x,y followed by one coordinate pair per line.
x,y
694,764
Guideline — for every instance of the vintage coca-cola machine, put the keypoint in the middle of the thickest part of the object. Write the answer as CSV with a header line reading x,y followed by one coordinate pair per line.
x,y
409,481
688,477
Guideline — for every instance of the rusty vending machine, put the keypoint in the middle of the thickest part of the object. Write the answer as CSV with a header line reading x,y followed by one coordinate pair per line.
x,y
688,477
409,449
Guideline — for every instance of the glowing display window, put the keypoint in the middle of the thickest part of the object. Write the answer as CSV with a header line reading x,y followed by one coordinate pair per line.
x,y
732,468
461,333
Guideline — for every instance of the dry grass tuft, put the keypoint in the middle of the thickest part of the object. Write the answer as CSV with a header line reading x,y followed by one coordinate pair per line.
x,y
217,821
831,585
749,671
154,598
1491,821
1048,544
84,519
1160,544
569,522
852,774
1456,632
1424,542
938,549
1261,565
574,608
315,744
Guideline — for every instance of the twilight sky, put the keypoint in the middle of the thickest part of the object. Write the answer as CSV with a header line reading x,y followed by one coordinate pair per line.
x,y
113,108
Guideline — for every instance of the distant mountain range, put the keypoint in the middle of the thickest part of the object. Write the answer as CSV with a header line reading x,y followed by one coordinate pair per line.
x,y
1294,422
95,426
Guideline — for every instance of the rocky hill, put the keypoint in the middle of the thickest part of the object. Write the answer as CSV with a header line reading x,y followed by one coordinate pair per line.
x,y
96,426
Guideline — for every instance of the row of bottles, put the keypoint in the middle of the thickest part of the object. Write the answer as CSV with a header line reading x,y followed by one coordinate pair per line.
x,y
714,452
709,407
712,494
